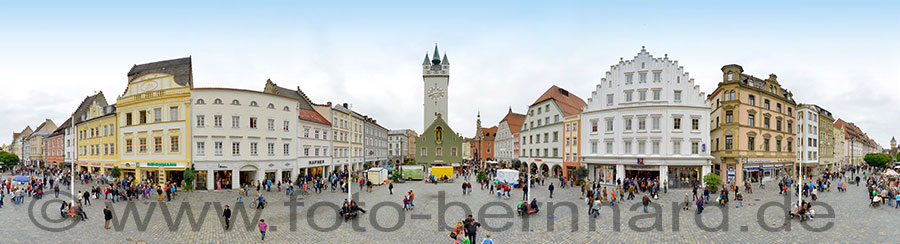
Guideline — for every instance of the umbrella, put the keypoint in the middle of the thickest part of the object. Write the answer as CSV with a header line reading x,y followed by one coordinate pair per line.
x,y
891,173
21,179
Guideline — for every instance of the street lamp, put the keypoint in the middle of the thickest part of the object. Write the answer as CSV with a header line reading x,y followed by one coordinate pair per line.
x,y
349,149
528,174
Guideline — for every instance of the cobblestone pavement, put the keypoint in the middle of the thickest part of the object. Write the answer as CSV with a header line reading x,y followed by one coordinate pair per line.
x,y
316,222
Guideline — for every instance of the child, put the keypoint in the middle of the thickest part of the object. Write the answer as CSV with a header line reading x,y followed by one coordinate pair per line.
x,y
487,239
262,229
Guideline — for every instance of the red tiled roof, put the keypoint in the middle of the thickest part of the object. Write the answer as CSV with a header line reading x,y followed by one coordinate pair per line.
x,y
313,116
568,102
514,121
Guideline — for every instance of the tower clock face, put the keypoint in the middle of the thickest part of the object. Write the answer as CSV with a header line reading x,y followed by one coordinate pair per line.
x,y
435,93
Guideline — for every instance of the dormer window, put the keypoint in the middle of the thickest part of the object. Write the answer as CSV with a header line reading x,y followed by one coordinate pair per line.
x,y
271,106
730,76
253,104
286,108
235,102
200,101
217,101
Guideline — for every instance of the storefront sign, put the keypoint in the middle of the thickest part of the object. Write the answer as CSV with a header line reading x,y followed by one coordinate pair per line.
x,y
160,165
753,169
641,167
316,162
223,166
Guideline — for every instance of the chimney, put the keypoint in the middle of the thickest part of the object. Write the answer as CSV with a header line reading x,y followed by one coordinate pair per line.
x,y
345,106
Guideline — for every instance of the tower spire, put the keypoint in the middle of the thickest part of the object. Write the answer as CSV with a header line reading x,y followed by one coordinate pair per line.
x,y
426,59
445,61
437,55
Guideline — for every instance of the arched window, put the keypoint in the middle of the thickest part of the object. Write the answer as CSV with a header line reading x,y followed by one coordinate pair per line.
x,y
217,101
200,101
286,108
271,106
235,102
253,104
730,76
732,94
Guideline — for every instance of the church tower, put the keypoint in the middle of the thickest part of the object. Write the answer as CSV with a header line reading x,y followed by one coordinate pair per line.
x,y
436,75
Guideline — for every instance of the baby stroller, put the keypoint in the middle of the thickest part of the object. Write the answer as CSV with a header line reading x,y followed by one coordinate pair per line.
x,y
876,201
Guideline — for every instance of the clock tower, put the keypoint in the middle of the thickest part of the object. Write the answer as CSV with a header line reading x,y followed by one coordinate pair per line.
x,y
436,76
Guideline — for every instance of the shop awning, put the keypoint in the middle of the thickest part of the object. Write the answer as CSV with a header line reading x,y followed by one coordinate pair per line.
x,y
455,164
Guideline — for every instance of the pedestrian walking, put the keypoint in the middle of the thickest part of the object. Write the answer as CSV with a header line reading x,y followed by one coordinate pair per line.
x,y
107,216
227,214
646,201
471,228
551,189
391,188
263,227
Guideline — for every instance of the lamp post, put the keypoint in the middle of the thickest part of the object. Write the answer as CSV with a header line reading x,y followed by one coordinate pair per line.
x,y
74,159
528,174
349,150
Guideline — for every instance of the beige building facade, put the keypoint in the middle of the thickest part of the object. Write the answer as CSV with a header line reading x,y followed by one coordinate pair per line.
x,y
752,127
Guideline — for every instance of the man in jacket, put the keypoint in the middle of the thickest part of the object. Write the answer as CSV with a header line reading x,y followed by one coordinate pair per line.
x,y
471,228
551,189
107,215
227,214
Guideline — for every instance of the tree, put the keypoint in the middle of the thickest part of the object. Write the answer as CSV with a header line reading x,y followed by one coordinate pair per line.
x,y
516,164
411,162
189,177
9,160
879,160
712,181
481,176
115,172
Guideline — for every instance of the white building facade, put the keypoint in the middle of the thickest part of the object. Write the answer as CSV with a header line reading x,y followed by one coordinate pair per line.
x,y
376,143
541,136
243,137
314,143
398,146
808,136
506,146
646,119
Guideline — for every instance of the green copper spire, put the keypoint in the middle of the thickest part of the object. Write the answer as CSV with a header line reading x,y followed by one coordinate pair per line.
x,y
437,55
426,60
445,61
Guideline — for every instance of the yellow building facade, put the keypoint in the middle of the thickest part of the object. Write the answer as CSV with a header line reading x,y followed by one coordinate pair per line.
x,y
96,137
154,122
752,127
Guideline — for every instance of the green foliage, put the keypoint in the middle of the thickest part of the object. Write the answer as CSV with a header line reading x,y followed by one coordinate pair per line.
x,y
189,176
516,164
411,162
9,160
712,181
115,172
503,164
481,176
877,159
579,182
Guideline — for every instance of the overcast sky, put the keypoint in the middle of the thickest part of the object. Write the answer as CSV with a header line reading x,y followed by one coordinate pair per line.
x,y
841,55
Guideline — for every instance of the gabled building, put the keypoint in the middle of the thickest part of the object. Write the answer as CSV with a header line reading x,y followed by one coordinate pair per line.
x,y
482,144
154,131
439,145
17,146
96,137
314,132
54,146
646,119
506,144
34,143
543,128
